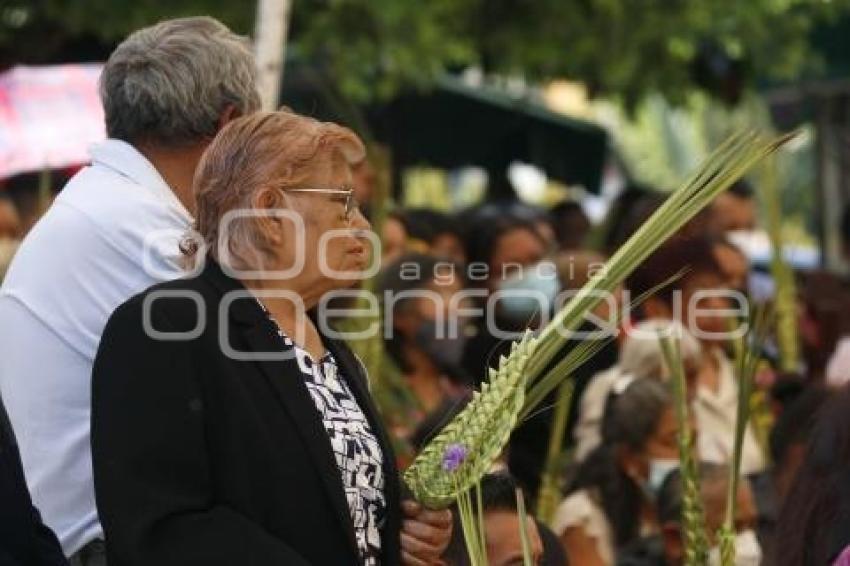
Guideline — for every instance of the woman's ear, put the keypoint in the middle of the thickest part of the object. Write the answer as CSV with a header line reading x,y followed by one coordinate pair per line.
x,y
265,201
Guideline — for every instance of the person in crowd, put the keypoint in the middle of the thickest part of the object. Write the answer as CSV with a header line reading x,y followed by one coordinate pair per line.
x,y
837,371
529,442
439,231
507,261
814,521
610,503
502,525
10,221
826,342
24,538
258,412
640,357
364,179
539,217
668,547
571,225
733,263
790,436
10,233
628,213
395,237
824,327
112,231
504,254
845,232
796,414
26,192
428,331
700,299
733,210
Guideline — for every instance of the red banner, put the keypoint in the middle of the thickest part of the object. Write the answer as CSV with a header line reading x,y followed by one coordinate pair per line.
x,y
49,116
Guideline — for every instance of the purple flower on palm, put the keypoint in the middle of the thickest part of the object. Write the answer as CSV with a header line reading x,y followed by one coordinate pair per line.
x,y
453,457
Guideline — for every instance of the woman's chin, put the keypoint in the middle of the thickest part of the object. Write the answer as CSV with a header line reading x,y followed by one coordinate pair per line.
x,y
351,270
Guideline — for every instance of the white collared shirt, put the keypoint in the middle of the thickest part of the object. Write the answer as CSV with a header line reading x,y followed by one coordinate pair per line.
x,y
111,233
716,412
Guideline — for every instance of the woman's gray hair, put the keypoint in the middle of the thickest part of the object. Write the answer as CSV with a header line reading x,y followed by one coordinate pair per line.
x,y
170,83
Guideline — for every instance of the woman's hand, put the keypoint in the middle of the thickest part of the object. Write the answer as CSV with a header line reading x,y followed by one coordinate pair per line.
x,y
425,534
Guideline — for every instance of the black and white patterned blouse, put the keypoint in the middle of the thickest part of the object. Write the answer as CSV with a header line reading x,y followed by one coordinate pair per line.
x,y
356,449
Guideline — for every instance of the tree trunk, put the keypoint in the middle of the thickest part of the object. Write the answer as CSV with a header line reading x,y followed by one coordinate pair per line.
x,y
270,45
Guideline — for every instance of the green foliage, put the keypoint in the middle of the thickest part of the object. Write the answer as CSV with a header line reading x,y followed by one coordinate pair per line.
x,y
621,47
111,20
374,46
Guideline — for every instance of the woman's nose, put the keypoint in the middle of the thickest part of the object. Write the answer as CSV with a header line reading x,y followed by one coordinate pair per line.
x,y
359,222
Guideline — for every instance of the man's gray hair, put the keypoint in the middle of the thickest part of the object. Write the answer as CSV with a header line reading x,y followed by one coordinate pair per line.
x,y
169,83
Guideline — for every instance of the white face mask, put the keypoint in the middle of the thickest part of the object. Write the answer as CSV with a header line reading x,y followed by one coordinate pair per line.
x,y
659,469
747,550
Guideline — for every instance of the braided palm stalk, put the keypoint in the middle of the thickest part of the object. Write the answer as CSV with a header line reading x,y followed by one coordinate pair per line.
x,y
466,448
527,559
746,365
549,494
522,381
693,516
786,292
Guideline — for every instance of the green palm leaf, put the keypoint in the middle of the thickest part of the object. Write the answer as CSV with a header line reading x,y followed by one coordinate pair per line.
x,y
518,386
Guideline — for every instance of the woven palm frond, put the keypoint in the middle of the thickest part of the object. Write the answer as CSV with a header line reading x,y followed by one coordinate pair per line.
x,y
476,436
527,375
726,544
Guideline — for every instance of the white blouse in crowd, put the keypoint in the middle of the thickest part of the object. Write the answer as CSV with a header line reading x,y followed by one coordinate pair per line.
x,y
838,368
715,413
580,510
588,433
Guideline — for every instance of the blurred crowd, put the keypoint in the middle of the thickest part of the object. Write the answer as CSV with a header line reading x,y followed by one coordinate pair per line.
x,y
621,492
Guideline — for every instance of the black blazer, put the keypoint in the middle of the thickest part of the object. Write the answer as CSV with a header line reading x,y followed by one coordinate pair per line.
x,y
203,459
24,539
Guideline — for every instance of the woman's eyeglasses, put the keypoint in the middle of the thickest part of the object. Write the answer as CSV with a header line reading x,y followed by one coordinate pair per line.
x,y
345,196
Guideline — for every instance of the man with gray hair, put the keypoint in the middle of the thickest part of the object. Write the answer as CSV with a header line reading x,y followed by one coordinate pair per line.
x,y
113,231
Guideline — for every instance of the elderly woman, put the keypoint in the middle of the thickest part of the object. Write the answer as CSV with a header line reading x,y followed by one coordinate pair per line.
x,y
227,427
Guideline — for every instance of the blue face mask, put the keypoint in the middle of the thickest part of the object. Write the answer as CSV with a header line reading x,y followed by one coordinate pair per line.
x,y
659,469
529,293
446,351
